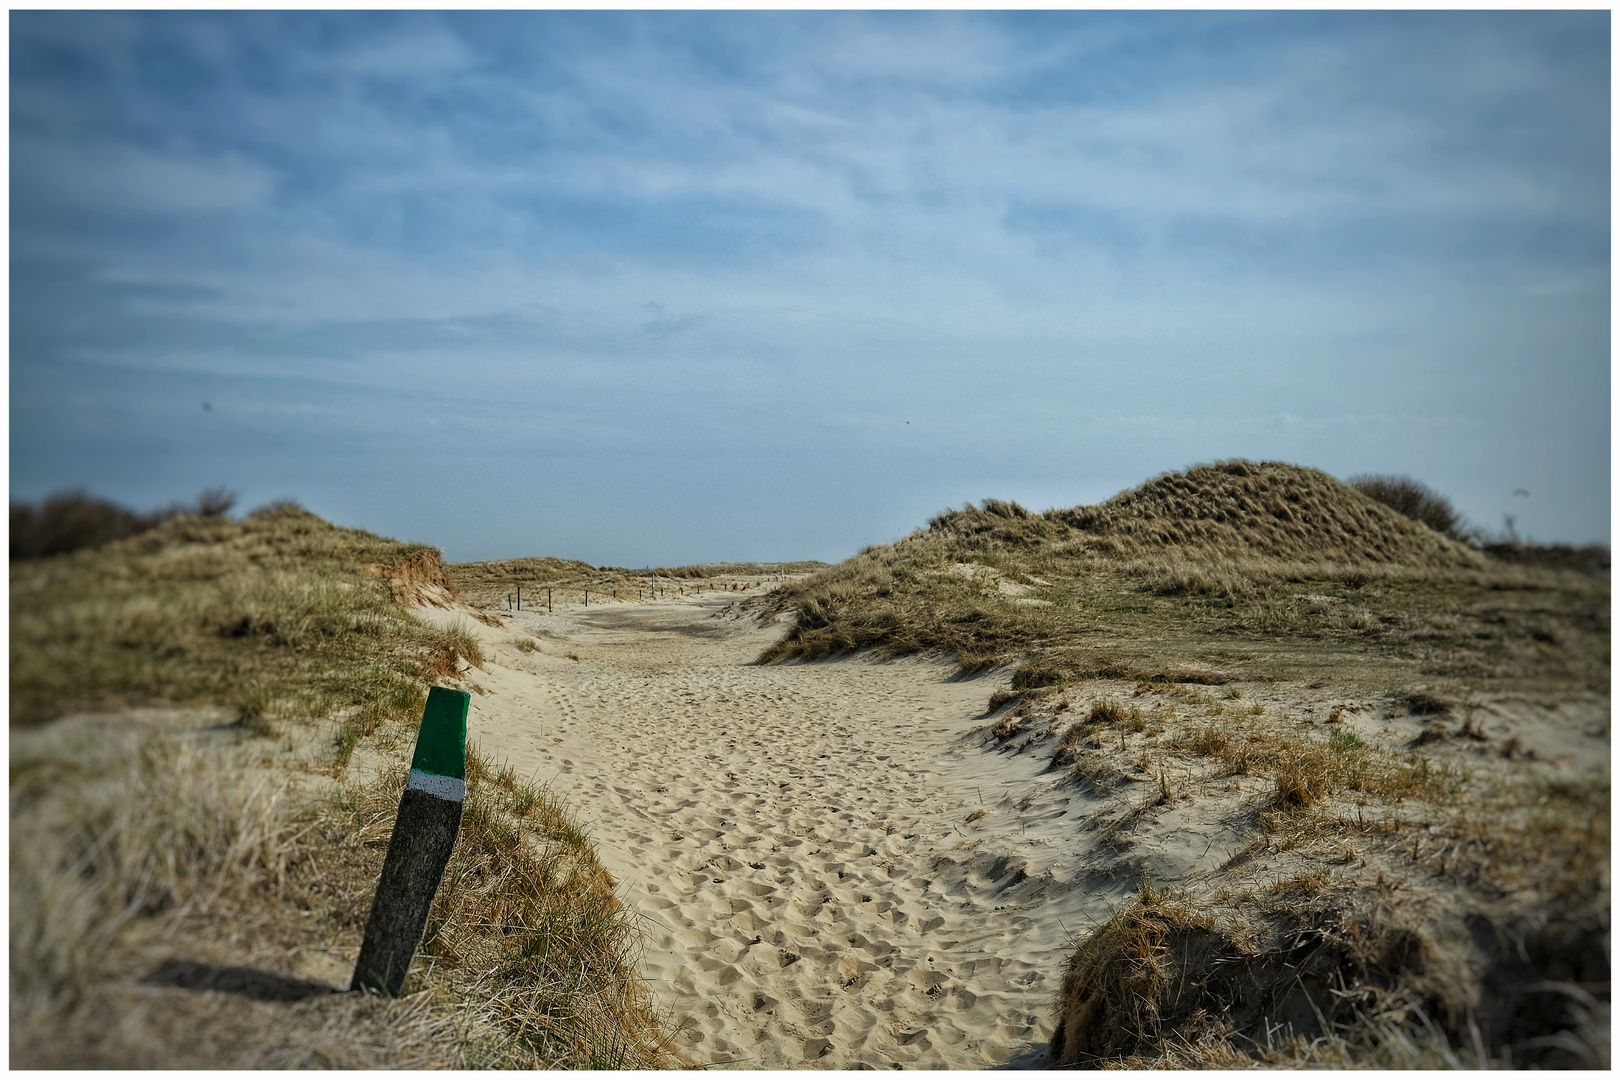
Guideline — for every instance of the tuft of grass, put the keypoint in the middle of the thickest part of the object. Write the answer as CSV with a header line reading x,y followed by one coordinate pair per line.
x,y
1306,770
1423,703
1110,713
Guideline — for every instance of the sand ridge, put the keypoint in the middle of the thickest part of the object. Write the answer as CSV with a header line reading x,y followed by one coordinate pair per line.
x,y
833,871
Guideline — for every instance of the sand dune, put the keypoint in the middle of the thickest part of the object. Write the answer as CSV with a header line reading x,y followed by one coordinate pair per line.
x,y
833,872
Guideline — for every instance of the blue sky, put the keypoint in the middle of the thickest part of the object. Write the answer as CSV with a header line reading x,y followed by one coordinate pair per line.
x,y
660,288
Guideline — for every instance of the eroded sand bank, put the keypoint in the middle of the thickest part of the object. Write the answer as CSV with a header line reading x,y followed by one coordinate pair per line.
x,y
798,836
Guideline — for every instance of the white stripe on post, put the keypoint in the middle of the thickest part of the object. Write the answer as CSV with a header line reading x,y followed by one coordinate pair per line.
x,y
448,788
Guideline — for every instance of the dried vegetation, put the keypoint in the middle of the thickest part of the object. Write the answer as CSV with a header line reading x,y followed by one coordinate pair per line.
x,y
1280,662
1228,571
189,884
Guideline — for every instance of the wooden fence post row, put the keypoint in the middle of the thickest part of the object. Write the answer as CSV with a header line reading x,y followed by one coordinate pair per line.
x,y
424,835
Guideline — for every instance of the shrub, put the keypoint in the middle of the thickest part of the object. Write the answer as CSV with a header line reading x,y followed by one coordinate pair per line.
x,y
1415,500
70,520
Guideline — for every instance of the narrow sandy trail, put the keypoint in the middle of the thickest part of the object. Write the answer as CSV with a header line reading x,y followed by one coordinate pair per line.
x,y
797,836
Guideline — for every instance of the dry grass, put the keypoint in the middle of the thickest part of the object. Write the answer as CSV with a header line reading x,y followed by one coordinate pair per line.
x,y
525,930
1306,770
1417,915
1199,577
1316,972
245,852
220,611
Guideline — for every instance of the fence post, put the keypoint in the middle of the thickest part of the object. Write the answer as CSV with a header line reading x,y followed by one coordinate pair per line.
x,y
424,835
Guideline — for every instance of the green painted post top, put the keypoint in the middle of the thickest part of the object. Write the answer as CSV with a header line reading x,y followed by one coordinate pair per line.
x,y
441,744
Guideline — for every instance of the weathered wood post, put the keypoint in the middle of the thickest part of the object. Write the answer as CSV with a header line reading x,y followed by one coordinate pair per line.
x,y
424,834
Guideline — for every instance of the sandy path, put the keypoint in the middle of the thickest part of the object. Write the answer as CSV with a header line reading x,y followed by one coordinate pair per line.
x,y
797,837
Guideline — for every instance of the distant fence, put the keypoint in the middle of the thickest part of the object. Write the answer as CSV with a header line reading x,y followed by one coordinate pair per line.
x,y
607,592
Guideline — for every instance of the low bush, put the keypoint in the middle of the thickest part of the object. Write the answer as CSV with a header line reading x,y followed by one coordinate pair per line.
x,y
1415,500
71,520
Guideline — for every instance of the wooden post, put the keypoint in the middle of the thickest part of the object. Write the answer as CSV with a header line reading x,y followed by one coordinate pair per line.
x,y
424,834
548,601
520,597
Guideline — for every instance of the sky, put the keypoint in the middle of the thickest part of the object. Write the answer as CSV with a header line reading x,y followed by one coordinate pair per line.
x,y
661,288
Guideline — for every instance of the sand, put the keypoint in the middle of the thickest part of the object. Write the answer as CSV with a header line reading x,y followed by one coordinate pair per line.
x,y
833,870
851,863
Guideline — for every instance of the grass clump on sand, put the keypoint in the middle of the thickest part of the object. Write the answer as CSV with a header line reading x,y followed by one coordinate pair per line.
x,y
1466,943
1376,904
1311,975
195,826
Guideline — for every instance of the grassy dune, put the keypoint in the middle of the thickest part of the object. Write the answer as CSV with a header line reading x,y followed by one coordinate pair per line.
x,y
1234,570
149,852
1293,663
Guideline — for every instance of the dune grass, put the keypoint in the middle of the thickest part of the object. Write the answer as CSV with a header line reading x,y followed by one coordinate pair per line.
x,y
1204,575
250,613
251,843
